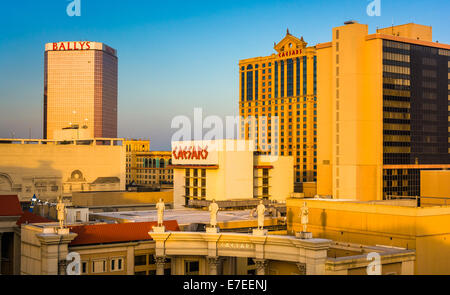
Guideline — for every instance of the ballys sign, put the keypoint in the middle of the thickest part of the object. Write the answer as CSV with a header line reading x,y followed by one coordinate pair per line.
x,y
62,46
290,53
190,153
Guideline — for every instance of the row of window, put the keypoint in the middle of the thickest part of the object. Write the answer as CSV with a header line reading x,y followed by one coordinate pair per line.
x,y
101,265
250,67
251,85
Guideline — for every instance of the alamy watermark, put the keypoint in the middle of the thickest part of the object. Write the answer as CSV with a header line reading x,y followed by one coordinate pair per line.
x,y
73,267
260,132
374,8
74,8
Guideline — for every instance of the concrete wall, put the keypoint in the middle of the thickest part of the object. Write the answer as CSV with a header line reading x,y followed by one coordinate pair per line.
x,y
413,31
424,229
24,166
281,176
435,184
90,199
350,115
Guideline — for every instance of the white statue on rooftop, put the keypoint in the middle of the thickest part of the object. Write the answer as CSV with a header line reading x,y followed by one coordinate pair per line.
x,y
61,209
260,210
160,206
304,216
213,208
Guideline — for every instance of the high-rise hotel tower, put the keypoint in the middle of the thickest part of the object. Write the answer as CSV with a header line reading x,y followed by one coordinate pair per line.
x,y
283,85
383,111
80,88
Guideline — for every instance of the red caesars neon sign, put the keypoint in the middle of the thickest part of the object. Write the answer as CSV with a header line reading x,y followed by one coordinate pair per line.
x,y
290,53
72,45
190,153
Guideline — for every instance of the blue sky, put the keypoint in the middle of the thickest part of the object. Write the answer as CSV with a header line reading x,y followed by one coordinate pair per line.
x,y
173,55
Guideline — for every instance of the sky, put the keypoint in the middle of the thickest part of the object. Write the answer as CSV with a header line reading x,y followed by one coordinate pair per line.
x,y
174,56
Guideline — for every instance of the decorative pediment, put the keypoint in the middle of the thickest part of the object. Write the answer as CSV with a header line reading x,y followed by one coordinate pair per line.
x,y
290,43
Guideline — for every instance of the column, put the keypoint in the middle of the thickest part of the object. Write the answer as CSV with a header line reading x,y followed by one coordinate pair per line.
x,y
54,249
130,260
213,262
160,264
407,267
260,266
312,255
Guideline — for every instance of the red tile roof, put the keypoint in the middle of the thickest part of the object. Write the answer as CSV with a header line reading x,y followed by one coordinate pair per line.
x,y
113,233
10,206
28,217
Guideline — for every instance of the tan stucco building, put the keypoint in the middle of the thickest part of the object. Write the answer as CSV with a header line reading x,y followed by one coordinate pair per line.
x,y
284,85
227,170
393,223
382,111
132,248
52,168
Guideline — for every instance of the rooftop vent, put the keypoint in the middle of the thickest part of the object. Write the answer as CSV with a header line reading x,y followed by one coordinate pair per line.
x,y
350,22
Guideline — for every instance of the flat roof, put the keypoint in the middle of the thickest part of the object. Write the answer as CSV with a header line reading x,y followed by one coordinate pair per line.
x,y
182,216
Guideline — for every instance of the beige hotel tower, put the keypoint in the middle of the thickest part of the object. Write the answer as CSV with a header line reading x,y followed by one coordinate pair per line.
x,y
80,89
284,85
383,111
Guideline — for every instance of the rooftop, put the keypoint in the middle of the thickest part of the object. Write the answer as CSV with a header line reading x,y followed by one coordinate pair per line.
x,y
10,206
91,141
114,233
29,217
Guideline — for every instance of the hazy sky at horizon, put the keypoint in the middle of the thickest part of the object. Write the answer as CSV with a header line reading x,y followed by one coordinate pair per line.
x,y
173,55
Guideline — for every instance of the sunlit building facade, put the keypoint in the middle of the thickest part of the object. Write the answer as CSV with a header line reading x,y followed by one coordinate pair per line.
x,y
49,169
80,88
228,169
145,167
383,112
283,85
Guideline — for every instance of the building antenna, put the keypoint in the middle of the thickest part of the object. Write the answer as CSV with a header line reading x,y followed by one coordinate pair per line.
x,y
392,25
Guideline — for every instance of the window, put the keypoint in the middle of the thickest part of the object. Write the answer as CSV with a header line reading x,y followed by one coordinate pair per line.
x,y
116,264
282,78
191,268
99,266
140,260
290,77
276,79
249,85
84,267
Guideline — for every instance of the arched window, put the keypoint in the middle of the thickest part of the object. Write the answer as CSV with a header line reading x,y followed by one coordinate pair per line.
x,y
161,163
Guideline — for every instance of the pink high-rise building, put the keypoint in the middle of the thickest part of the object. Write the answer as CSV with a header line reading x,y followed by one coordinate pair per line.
x,y
80,89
